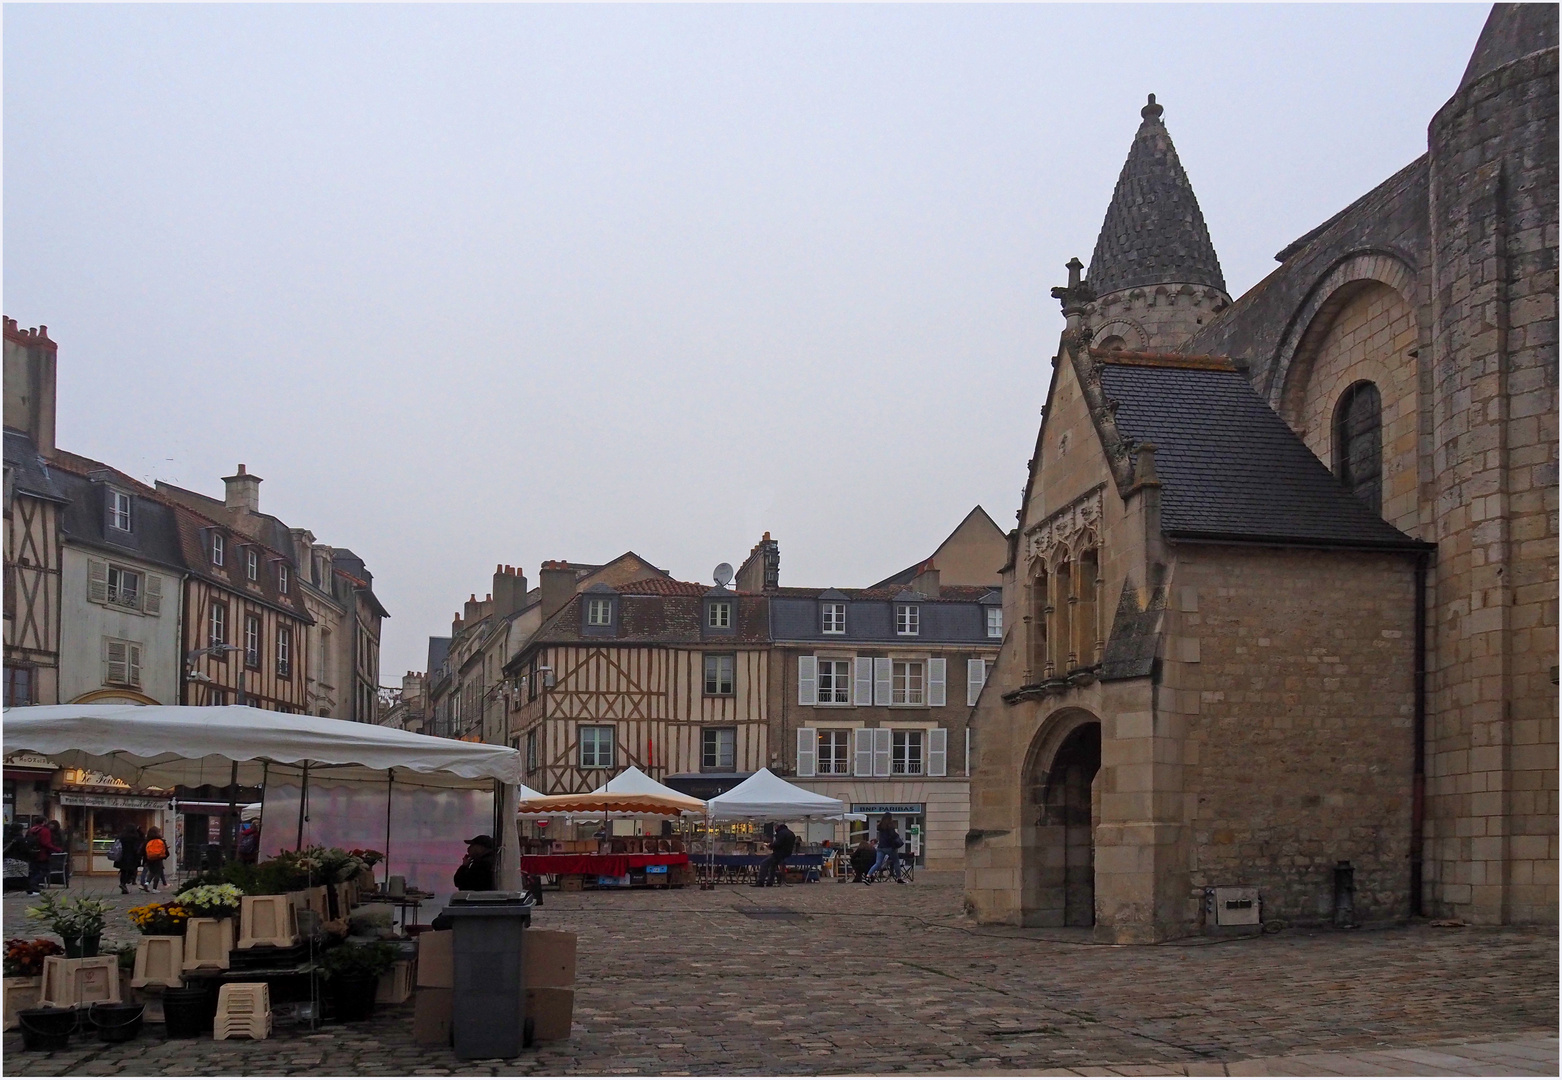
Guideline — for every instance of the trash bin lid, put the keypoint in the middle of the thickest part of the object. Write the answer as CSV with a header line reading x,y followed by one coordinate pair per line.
x,y
487,896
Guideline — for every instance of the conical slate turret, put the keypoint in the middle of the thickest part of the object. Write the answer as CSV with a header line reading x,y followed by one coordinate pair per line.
x,y
1154,232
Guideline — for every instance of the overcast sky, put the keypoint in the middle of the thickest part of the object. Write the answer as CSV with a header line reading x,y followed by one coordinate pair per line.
x,y
471,285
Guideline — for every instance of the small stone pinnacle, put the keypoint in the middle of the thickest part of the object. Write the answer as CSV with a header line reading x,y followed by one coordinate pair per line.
x,y
1152,111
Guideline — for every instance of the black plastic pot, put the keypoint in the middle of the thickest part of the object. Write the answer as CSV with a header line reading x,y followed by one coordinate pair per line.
x,y
46,1029
72,946
90,943
117,1023
184,1011
354,996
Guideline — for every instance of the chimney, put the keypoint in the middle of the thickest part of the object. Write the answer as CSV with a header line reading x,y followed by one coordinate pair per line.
x,y
474,610
242,491
455,624
509,590
761,571
31,361
557,582
926,580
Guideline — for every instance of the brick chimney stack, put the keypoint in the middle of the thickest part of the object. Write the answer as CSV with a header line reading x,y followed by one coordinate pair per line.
x,y
557,582
242,491
31,363
926,580
509,590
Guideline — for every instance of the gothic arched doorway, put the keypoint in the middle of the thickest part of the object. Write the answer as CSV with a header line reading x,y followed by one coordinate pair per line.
x,y
1059,856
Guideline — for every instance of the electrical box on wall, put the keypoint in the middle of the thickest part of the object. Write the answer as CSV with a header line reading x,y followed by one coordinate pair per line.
x,y
1233,907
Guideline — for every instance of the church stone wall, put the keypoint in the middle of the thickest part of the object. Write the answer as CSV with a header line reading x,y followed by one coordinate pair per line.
x,y
1492,808
1293,672
1372,338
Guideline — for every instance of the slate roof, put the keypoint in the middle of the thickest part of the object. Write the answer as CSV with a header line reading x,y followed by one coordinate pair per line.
x,y
153,536
1229,467
655,620
1154,232
29,473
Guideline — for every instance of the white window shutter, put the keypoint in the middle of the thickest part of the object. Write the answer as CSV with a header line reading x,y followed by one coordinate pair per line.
x,y
863,752
152,595
881,680
864,674
938,752
97,581
975,679
881,748
114,653
808,680
133,664
807,750
935,680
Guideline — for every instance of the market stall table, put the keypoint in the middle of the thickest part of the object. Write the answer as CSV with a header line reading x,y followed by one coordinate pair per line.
x,y
594,867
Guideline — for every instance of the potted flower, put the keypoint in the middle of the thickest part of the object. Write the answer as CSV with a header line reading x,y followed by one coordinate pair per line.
x,y
79,922
89,917
160,920
353,971
211,901
24,973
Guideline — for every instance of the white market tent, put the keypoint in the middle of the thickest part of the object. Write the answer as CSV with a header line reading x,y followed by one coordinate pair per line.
x,y
221,745
629,794
766,796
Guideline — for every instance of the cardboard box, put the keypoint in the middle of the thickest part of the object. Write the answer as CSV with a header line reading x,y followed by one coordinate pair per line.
x,y
436,958
551,1010
431,1013
550,959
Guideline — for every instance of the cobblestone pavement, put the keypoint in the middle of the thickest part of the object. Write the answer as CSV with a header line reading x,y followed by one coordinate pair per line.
x,y
845,979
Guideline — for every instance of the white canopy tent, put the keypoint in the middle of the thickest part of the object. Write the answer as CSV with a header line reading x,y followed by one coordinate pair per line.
x,y
300,761
765,796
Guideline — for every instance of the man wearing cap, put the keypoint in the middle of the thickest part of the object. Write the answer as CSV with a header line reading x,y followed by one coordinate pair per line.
x,y
476,872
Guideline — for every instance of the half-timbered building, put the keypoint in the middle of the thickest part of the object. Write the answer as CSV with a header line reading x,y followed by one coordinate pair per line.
x,y
669,676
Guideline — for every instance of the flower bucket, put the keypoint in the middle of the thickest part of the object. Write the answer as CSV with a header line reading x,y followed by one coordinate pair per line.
x,y
46,1029
117,1023
184,1011
354,996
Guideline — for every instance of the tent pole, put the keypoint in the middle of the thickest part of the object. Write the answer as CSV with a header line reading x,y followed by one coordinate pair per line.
x,y
390,781
303,802
233,810
265,775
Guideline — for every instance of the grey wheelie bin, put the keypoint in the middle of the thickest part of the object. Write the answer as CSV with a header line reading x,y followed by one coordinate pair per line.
x,y
489,1003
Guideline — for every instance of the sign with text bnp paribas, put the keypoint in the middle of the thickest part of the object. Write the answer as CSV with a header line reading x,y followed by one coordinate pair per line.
x,y
887,808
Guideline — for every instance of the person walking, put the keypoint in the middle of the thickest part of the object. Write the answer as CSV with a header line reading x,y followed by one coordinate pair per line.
x,y
890,844
155,852
863,858
38,844
131,843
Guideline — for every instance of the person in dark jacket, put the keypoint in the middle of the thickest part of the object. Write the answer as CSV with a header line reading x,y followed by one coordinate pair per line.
x,y
782,845
37,844
863,857
131,843
890,844
476,872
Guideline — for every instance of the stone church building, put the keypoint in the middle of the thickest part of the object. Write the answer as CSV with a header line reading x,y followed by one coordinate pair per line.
x,y
1281,607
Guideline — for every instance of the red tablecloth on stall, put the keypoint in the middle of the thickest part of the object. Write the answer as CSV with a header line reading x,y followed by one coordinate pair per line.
x,y
599,865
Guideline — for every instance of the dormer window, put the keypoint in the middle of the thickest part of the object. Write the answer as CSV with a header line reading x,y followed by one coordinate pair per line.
x,y
833,615
718,615
282,578
995,622
218,549
119,510
599,611
252,564
908,620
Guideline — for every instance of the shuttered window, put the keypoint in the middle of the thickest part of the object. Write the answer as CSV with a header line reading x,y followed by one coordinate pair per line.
x,y
122,663
862,752
807,680
975,679
864,693
881,751
938,752
881,680
936,681
835,682
124,588
906,752
907,686
834,752
806,751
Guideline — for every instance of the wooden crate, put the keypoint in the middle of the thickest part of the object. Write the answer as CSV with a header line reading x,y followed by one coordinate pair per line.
x,y
396,984
159,961
21,992
267,920
85,981
207,943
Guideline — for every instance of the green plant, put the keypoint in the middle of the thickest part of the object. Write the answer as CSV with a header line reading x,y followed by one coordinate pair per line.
x,y
358,960
89,917
54,912
126,954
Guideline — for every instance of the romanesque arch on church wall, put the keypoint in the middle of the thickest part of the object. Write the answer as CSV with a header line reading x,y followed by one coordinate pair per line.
x,y
1061,810
1363,331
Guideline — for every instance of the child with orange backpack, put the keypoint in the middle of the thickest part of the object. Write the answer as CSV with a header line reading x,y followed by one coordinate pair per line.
x,y
156,851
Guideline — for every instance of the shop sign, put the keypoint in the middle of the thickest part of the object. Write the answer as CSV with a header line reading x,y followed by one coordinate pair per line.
x,y
29,761
115,802
887,808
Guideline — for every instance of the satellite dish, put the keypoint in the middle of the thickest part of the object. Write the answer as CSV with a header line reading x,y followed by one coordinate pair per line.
x,y
723,574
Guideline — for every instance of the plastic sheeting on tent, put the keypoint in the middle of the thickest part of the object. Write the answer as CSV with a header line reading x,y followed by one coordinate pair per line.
x,y
165,745
391,779
766,796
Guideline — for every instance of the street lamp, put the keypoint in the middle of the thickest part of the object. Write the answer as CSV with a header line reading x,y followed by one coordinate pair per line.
x,y
214,651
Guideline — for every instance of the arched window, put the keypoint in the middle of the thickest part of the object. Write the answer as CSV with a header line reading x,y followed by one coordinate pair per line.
x,y
1358,443
1041,605
1062,610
